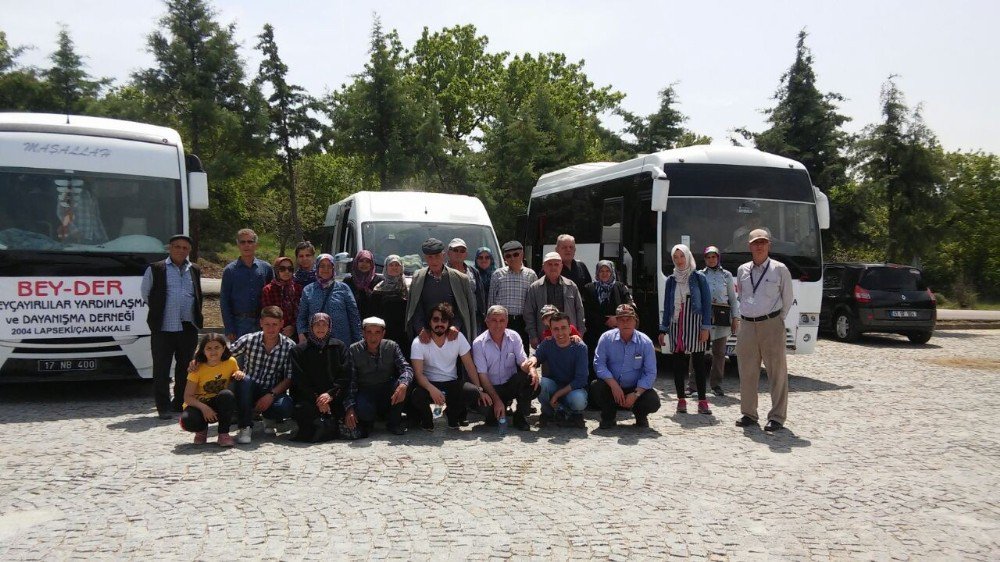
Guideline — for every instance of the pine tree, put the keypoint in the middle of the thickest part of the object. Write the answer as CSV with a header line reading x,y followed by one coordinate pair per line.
x,y
68,78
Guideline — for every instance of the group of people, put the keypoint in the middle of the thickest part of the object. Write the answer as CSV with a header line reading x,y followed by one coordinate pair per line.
x,y
335,356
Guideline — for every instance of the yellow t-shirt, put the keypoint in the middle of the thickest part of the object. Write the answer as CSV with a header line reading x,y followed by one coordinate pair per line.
x,y
212,380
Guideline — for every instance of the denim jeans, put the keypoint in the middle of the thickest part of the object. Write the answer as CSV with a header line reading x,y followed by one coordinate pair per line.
x,y
248,392
575,401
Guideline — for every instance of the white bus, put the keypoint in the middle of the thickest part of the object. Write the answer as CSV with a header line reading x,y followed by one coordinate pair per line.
x,y
634,212
87,204
398,222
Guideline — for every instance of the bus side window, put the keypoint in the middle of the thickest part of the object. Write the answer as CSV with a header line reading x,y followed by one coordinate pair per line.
x,y
611,230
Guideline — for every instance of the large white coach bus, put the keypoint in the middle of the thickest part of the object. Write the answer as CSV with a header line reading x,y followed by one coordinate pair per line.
x,y
634,212
398,222
87,203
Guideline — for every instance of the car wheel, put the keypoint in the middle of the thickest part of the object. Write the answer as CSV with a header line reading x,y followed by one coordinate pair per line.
x,y
919,337
845,327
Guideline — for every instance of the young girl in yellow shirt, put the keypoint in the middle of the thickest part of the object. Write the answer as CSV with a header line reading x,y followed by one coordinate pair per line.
x,y
207,398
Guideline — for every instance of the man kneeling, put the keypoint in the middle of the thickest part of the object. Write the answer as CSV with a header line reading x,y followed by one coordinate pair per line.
x,y
565,382
380,378
501,362
625,364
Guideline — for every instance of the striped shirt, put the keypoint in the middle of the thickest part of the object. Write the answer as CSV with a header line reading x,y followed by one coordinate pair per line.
x,y
509,289
263,368
179,305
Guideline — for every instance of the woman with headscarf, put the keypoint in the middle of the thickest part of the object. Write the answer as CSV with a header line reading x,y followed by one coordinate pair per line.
x,y
332,297
686,325
284,293
601,298
483,266
723,294
388,302
362,281
319,382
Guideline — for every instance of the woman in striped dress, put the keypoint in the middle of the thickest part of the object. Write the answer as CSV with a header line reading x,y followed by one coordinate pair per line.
x,y
686,325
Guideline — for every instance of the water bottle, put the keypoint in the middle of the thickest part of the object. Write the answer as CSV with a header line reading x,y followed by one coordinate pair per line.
x,y
436,409
502,425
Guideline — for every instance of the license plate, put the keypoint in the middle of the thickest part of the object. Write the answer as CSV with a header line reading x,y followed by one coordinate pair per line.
x,y
902,313
730,350
58,365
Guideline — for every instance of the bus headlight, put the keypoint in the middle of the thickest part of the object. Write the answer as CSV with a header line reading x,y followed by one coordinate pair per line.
x,y
808,319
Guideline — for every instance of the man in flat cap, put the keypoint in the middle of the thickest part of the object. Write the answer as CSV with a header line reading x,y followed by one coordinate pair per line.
x,y
556,290
380,379
765,297
509,285
172,291
435,284
625,363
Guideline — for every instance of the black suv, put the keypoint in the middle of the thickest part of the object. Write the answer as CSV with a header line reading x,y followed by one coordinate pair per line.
x,y
876,297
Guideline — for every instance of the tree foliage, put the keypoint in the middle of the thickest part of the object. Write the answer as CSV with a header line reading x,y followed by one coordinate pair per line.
x,y
68,79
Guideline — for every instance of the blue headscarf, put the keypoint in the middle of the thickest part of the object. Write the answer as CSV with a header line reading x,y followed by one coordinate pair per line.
x,y
485,275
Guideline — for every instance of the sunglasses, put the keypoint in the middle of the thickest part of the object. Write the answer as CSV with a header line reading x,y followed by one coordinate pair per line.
x,y
287,268
512,255
248,241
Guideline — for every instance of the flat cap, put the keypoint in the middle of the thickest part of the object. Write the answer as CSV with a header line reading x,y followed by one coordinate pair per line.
x,y
432,246
511,246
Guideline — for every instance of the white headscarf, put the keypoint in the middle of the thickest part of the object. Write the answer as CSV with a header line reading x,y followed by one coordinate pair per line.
x,y
682,276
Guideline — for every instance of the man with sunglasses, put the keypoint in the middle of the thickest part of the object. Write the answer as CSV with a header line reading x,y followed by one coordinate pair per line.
x,y
509,286
458,252
243,280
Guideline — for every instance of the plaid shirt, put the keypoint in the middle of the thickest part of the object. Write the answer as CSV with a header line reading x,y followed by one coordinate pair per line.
x,y
509,289
263,368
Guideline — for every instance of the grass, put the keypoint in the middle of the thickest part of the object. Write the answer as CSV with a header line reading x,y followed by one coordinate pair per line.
x,y
213,260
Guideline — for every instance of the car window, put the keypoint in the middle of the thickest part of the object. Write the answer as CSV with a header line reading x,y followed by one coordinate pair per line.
x,y
893,279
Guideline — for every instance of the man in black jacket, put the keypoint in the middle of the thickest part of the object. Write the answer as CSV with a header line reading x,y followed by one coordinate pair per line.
x,y
172,290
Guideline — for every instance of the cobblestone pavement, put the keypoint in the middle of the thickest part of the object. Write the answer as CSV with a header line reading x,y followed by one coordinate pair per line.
x,y
890,453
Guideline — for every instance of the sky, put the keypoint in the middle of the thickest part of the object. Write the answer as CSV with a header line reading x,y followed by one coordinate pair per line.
x,y
725,58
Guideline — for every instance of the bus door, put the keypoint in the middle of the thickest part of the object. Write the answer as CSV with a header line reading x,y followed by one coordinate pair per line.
x,y
644,265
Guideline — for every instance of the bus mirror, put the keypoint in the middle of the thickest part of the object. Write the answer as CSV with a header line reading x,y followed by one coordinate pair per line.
x,y
822,208
661,190
342,264
197,190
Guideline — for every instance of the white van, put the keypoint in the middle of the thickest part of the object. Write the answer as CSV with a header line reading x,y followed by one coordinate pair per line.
x,y
398,222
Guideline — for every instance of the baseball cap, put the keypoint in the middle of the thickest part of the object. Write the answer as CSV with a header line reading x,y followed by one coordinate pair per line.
x,y
552,256
625,310
457,243
758,234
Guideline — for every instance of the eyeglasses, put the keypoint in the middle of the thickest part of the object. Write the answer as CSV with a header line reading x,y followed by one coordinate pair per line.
x,y
247,241
287,268
438,320
512,255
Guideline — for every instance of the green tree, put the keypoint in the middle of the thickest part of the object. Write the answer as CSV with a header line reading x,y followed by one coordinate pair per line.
x,y
658,131
21,88
374,116
71,85
290,122
197,87
900,162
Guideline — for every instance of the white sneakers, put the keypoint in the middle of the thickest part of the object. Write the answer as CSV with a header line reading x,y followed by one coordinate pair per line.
x,y
244,436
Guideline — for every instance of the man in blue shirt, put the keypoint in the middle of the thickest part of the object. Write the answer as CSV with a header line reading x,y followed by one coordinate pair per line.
x,y
242,282
172,291
625,364
565,382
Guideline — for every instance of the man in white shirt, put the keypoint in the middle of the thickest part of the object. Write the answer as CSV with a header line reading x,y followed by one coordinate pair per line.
x,y
435,368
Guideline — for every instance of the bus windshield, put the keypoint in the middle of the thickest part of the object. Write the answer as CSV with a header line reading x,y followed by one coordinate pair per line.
x,y
87,212
405,239
726,223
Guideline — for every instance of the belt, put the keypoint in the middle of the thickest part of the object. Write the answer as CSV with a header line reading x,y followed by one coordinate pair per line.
x,y
251,315
762,318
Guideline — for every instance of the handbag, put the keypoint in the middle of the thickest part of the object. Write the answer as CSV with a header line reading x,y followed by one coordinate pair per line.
x,y
722,315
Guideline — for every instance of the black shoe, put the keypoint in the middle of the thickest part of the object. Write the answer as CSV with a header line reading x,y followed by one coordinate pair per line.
x,y
397,429
546,420
608,424
718,391
165,416
577,421
177,407
746,421
772,426
642,421
427,425
521,424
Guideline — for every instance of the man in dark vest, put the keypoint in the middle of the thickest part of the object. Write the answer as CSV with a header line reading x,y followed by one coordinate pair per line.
x,y
172,290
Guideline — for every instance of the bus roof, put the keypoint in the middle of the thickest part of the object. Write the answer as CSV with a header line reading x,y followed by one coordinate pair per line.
x,y
418,206
594,172
90,126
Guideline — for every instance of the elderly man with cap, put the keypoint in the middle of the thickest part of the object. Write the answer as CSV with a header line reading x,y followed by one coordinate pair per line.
x,y
502,364
172,291
625,364
765,297
509,286
458,252
435,284
380,379
556,290
724,296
